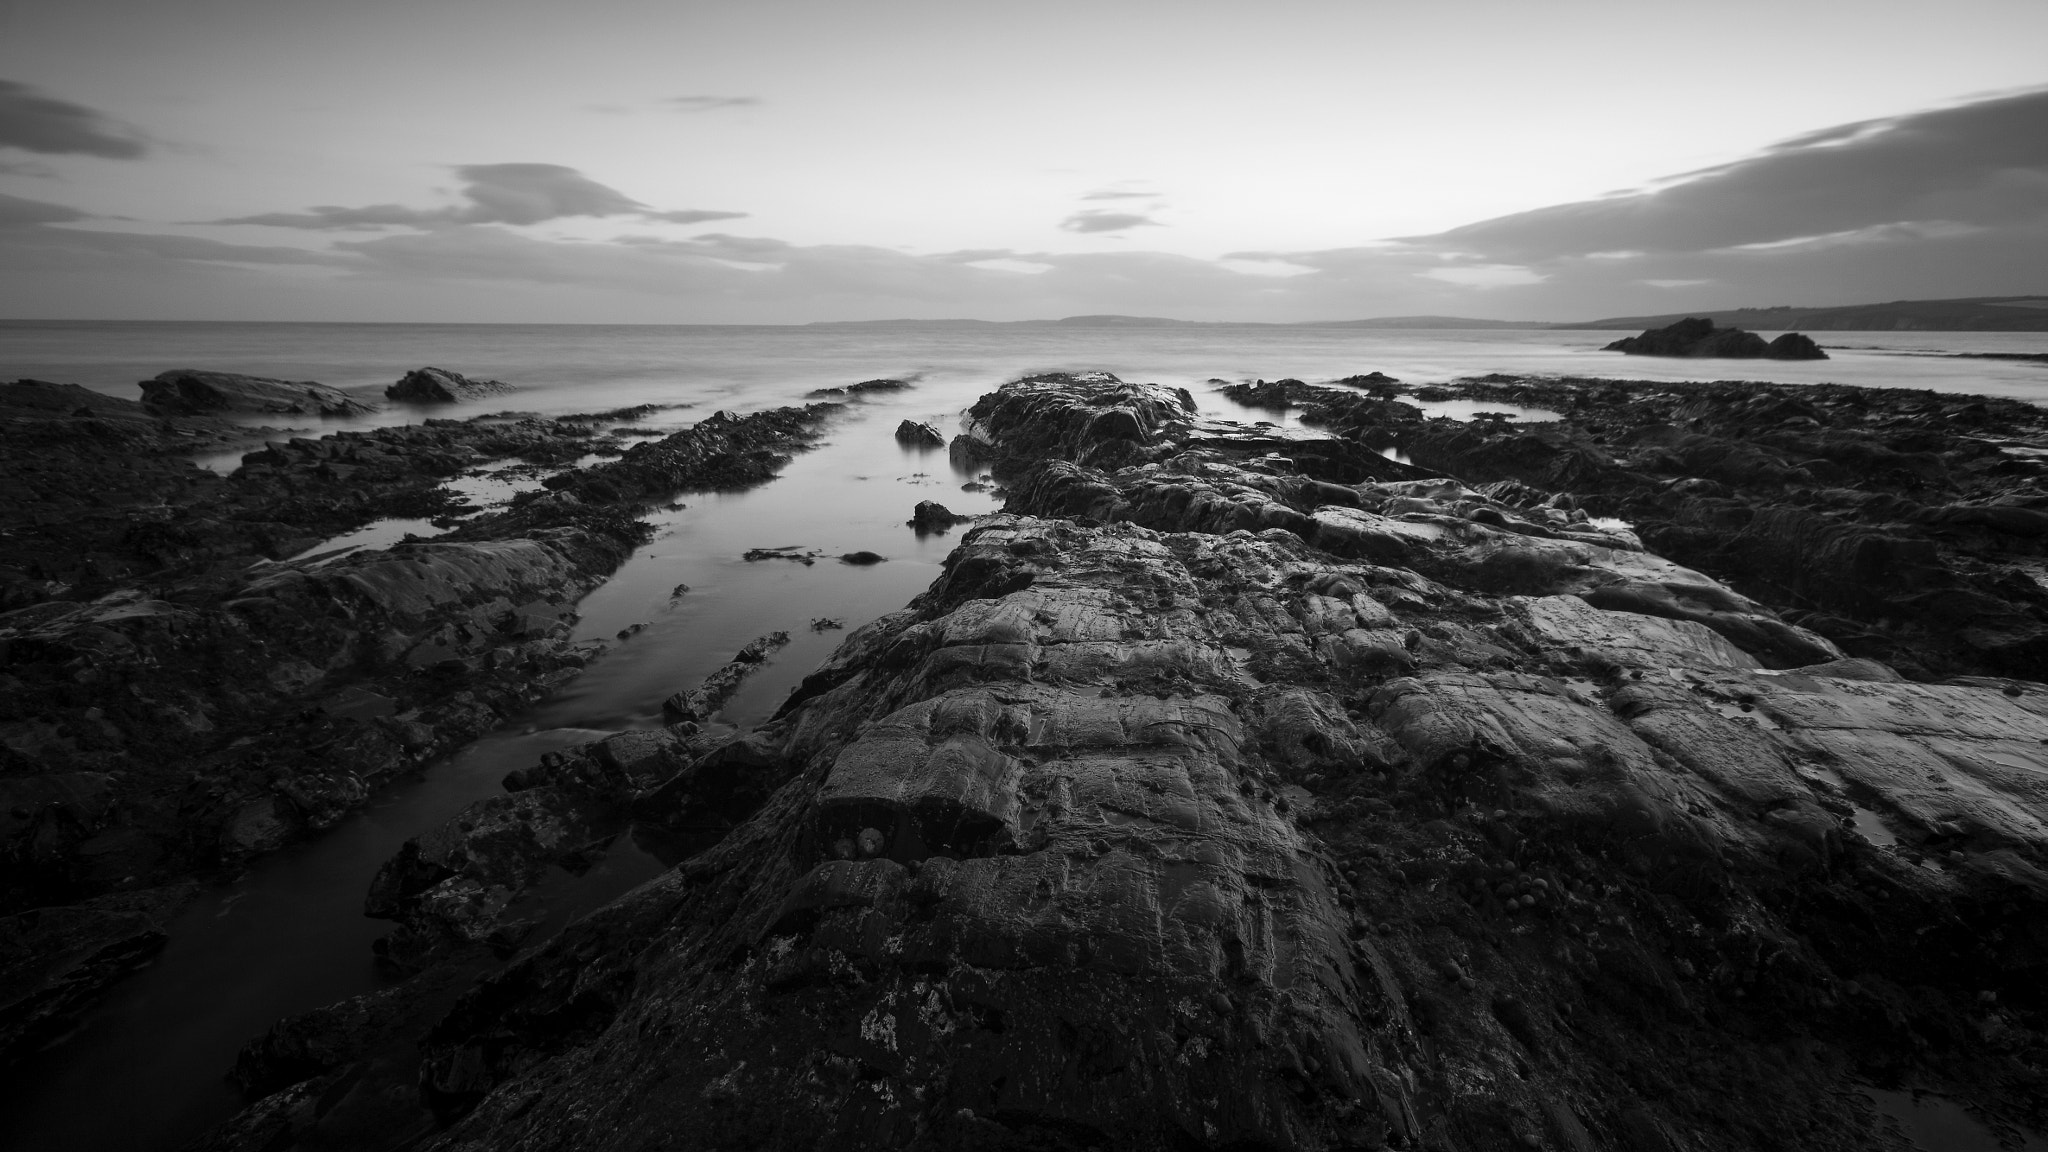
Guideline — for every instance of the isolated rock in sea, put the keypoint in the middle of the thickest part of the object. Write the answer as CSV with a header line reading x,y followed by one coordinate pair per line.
x,y
1698,337
862,558
439,386
189,392
931,516
864,388
918,435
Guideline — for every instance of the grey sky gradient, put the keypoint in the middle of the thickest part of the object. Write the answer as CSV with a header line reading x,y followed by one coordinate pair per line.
x,y
225,158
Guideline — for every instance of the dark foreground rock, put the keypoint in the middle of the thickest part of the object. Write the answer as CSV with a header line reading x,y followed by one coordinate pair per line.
x,y
225,704
440,386
1698,337
190,392
1201,803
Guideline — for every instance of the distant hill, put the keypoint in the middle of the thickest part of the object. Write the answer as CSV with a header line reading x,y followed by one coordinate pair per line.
x,y
1973,314
1420,322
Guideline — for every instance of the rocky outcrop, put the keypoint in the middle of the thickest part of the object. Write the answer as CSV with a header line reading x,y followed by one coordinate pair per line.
x,y
440,386
1899,524
930,517
1203,804
190,392
855,391
153,734
1698,337
918,435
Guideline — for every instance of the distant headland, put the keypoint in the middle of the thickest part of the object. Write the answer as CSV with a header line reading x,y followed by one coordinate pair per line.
x,y
1968,314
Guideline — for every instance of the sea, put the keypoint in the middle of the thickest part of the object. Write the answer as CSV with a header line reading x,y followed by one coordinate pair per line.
x,y
146,1068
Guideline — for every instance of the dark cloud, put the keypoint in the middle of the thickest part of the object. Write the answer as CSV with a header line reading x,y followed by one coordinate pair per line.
x,y
16,212
1977,165
34,122
709,103
497,194
1096,220
691,216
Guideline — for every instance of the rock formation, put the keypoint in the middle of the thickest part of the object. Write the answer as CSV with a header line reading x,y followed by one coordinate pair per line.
x,y
1221,794
918,435
1698,337
188,392
176,701
439,386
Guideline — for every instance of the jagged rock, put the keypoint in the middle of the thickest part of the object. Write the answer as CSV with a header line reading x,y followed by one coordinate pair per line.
x,y
1178,826
918,435
704,701
1699,337
930,516
440,386
189,392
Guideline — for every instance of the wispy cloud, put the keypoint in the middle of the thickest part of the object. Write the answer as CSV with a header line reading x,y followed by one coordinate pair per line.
x,y
497,194
1115,194
709,103
1097,220
16,212
34,122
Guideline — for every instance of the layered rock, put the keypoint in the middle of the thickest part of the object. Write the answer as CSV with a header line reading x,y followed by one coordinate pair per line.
x,y
226,709
1902,525
1203,804
191,392
1698,337
440,386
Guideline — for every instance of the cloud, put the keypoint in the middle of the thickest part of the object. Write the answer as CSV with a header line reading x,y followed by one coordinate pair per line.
x,y
1096,220
1982,164
17,212
1111,194
709,103
497,194
691,216
37,123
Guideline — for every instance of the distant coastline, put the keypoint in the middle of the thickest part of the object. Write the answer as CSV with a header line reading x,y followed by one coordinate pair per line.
x,y
1968,314
1965,314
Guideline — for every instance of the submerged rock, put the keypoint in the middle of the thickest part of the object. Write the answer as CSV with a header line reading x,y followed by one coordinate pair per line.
x,y
189,392
1699,337
439,386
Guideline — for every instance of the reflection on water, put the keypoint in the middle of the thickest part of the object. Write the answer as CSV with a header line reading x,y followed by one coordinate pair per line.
x,y
1934,1124
290,936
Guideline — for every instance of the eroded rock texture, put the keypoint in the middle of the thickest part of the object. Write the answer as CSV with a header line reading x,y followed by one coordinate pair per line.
x,y
228,705
1207,803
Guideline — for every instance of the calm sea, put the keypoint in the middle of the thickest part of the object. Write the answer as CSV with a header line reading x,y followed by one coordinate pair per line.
x,y
563,368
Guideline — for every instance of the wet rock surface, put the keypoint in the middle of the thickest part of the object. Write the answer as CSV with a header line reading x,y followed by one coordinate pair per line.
x,y
440,386
186,701
1220,795
1699,337
191,392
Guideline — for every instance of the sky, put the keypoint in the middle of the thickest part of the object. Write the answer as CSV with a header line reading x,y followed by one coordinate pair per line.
x,y
789,161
